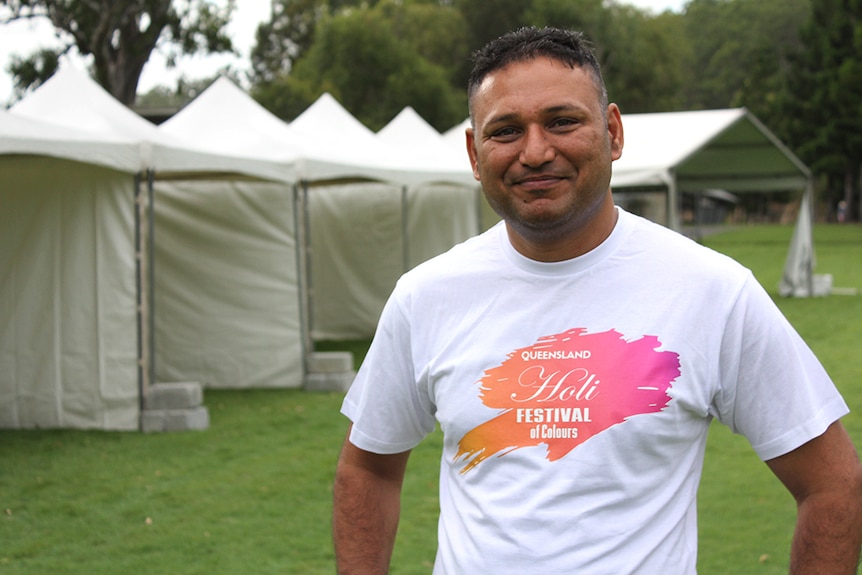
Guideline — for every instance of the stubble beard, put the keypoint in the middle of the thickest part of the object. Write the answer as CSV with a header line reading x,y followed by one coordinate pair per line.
x,y
549,226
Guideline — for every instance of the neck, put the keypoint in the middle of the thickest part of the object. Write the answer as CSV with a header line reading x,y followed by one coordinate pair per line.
x,y
581,237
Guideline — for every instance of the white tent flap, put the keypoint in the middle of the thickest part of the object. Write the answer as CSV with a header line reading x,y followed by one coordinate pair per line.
x,y
226,286
799,279
357,256
68,329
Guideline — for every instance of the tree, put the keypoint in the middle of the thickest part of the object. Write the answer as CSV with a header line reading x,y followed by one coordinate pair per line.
x,y
435,30
489,19
643,60
741,52
368,59
287,35
32,70
823,104
121,36
486,20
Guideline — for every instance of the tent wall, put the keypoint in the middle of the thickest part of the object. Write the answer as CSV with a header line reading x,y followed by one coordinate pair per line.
x,y
226,284
68,326
438,217
648,204
364,236
356,256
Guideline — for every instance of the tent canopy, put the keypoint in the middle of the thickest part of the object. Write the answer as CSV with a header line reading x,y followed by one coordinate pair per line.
x,y
26,136
410,130
326,143
70,98
225,119
722,149
335,136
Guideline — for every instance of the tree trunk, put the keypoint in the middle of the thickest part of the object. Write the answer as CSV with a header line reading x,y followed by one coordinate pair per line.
x,y
848,193
859,195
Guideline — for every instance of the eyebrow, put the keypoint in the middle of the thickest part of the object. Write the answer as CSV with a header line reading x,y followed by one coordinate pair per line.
x,y
503,118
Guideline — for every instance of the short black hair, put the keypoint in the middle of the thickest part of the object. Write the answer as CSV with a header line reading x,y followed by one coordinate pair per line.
x,y
567,46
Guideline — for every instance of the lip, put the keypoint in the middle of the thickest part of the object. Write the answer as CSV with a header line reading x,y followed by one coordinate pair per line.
x,y
538,182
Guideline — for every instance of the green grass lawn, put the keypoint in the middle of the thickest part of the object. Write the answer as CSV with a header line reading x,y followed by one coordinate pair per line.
x,y
746,518
252,493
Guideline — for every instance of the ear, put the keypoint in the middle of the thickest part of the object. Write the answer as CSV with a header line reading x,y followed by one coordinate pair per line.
x,y
471,152
615,131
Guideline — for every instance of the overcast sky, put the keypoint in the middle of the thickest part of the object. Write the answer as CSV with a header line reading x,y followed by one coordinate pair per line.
x,y
22,38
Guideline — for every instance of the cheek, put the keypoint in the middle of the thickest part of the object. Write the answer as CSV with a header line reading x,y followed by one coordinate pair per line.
x,y
495,162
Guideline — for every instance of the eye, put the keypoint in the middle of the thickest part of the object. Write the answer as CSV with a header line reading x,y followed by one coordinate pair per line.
x,y
505,134
564,123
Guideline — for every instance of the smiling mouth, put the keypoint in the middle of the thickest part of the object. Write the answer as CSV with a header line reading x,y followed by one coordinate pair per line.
x,y
539,183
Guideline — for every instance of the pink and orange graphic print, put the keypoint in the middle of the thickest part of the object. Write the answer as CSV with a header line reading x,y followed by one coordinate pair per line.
x,y
567,388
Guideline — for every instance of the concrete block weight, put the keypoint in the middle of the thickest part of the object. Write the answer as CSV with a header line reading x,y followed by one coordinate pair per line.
x,y
179,395
168,420
175,406
330,362
329,381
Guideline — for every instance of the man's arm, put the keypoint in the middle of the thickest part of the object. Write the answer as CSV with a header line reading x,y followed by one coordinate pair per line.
x,y
366,507
825,477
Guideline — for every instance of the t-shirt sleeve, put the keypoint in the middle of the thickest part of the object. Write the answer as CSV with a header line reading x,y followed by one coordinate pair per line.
x,y
390,410
774,391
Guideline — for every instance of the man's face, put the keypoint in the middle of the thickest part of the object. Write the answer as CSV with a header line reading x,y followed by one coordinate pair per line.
x,y
542,148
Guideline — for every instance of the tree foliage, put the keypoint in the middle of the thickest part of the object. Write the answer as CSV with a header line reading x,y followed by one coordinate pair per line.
x,y
822,105
120,36
372,60
288,34
741,51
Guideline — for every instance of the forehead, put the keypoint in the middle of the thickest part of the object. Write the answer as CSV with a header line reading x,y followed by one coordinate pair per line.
x,y
535,83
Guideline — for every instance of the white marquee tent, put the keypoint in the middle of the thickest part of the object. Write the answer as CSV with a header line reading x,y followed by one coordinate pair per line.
x,y
216,317
374,207
438,214
680,152
332,135
725,150
72,99
68,329
364,235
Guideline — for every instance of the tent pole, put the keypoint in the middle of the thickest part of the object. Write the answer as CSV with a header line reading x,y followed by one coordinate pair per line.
x,y
151,276
672,203
405,231
479,195
809,198
139,299
303,262
698,215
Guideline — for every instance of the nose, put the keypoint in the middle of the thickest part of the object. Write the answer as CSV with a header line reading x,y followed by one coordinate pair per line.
x,y
537,150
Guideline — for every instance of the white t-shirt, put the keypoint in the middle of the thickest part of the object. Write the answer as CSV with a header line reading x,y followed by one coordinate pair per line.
x,y
575,397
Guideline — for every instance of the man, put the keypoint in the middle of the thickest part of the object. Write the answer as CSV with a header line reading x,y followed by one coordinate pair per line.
x,y
574,356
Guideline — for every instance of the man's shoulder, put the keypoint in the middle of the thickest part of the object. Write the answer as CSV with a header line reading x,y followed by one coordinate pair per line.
x,y
653,250
650,236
